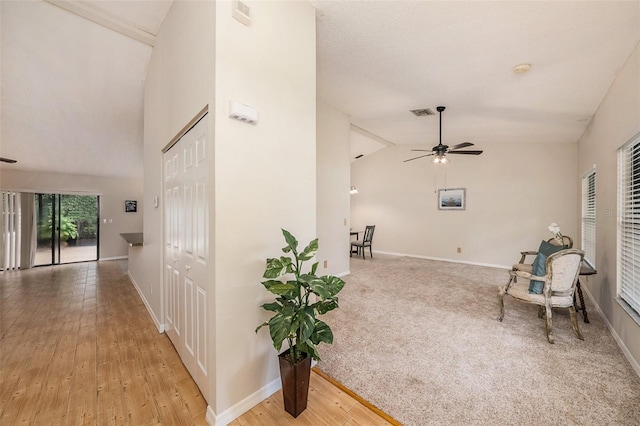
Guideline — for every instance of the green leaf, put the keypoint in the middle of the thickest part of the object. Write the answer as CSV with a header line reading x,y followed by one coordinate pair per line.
x,y
333,284
274,268
279,329
307,323
296,290
273,306
278,287
261,325
286,301
287,263
288,312
285,260
305,278
326,305
310,349
314,268
322,333
309,251
292,243
319,288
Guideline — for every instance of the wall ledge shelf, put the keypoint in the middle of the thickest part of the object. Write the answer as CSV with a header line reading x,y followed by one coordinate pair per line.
x,y
134,239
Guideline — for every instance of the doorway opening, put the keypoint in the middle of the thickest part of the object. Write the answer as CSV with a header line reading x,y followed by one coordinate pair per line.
x,y
68,228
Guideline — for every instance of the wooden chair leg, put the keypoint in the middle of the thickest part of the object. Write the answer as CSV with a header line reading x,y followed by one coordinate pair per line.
x,y
501,292
548,325
371,252
574,322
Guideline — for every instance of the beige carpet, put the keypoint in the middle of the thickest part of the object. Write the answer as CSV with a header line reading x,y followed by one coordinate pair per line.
x,y
419,339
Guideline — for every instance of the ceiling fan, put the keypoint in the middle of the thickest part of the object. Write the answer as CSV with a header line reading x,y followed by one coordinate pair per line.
x,y
440,151
8,160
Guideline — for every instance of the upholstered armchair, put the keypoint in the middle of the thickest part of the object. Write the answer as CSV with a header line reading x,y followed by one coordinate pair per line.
x,y
560,278
526,267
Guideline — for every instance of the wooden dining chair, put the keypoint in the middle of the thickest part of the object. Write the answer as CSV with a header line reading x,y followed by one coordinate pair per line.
x,y
367,241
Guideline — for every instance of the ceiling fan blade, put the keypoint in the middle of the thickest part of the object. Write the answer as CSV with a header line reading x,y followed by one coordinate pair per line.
x,y
461,145
465,152
425,150
8,160
415,158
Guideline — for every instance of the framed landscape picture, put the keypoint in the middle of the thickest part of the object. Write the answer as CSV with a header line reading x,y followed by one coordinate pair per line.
x,y
452,199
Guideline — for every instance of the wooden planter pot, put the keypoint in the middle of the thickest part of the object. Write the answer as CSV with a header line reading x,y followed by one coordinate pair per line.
x,y
295,383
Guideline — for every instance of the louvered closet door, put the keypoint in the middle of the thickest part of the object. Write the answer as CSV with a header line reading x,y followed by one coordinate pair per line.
x,y
186,250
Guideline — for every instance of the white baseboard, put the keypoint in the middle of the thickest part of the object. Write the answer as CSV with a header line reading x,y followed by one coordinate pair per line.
x,y
159,325
616,337
343,274
243,406
113,258
491,265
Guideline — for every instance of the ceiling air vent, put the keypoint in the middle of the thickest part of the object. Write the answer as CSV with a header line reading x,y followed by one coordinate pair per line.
x,y
422,112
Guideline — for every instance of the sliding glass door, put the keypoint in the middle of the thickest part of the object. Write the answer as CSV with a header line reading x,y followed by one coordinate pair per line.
x,y
67,228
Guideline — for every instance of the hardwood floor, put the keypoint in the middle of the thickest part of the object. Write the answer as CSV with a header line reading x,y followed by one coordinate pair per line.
x,y
329,404
77,347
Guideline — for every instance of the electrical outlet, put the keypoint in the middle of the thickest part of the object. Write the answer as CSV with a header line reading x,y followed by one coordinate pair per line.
x,y
345,221
325,263
459,250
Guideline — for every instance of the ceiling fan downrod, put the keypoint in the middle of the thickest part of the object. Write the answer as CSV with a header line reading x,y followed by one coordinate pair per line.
x,y
440,109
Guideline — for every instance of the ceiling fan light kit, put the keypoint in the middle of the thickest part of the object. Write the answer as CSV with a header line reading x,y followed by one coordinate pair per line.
x,y
440,151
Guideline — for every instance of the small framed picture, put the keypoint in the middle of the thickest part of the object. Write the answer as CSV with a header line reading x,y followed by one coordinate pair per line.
x,y
452,199
131,206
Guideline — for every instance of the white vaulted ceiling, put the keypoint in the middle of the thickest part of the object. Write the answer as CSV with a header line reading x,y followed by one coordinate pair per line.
x,y
72,80
72,88
379,59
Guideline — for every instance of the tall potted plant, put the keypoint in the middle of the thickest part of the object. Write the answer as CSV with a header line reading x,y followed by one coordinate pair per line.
x,y
300,299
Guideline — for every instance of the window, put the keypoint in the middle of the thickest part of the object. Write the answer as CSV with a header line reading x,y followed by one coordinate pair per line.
x,y
629,223
588,242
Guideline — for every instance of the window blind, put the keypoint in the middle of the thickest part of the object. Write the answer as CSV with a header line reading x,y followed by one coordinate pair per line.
x,y
629,223
588,242
10,230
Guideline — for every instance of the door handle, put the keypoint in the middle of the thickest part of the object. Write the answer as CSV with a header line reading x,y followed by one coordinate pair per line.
x,y
187,267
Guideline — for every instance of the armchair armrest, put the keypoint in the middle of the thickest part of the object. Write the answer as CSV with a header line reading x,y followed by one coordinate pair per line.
x,y
527,253
527,275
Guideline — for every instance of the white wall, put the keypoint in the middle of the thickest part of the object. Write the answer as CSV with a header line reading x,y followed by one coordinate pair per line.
x,y
179,84
332,150
263,177
513,192
113,192
616,122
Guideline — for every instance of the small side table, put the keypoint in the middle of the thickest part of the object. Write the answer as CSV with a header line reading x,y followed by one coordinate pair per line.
x,y
585,270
